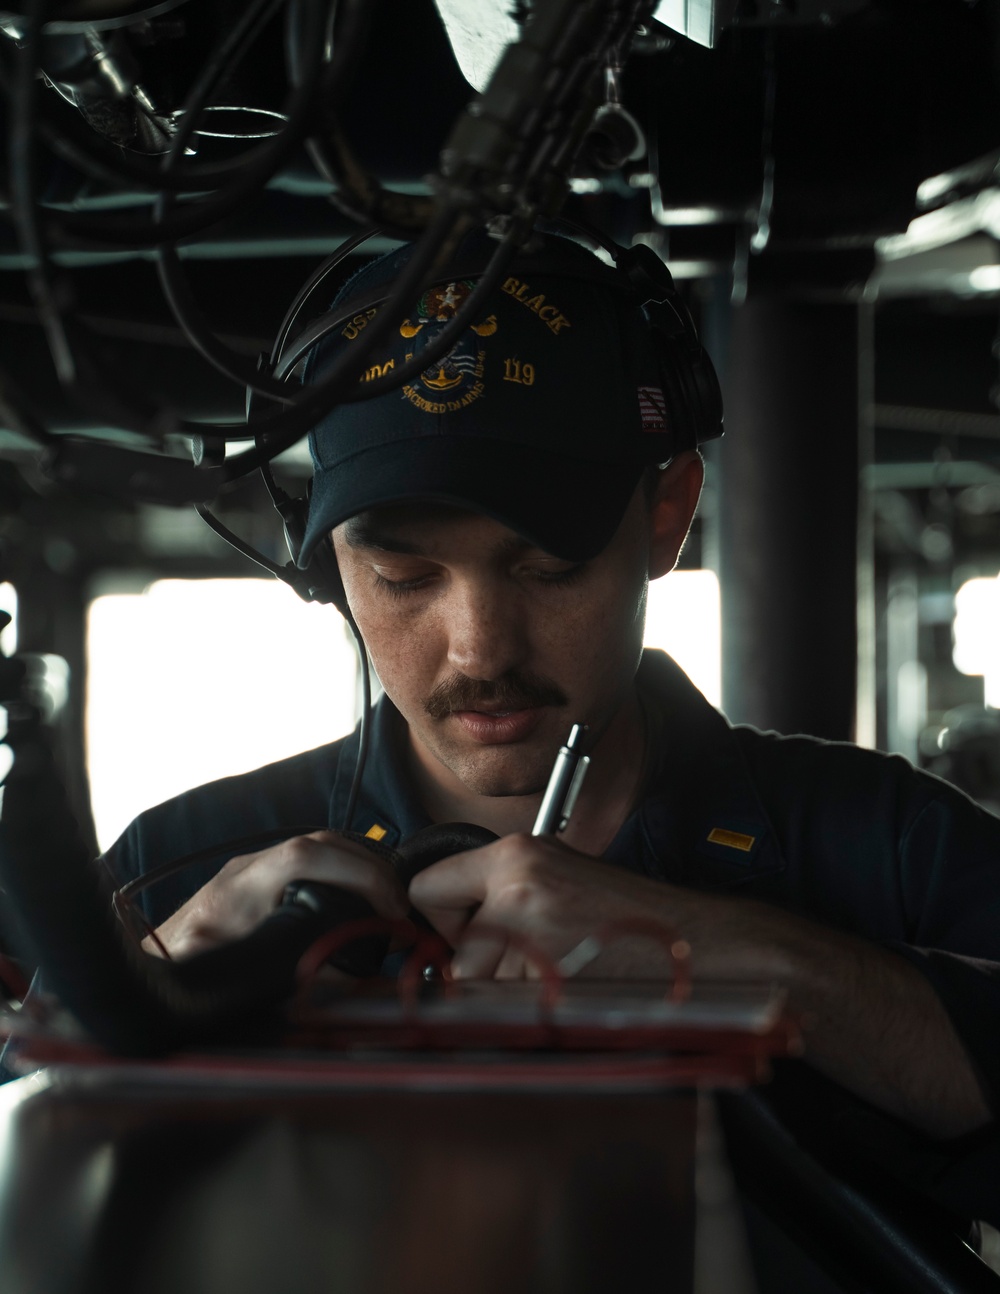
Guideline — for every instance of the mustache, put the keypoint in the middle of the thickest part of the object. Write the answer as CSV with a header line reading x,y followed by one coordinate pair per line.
x,y
518,690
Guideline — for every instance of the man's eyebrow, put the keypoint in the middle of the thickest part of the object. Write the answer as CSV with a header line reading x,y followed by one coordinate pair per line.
x,y
516,546
364,532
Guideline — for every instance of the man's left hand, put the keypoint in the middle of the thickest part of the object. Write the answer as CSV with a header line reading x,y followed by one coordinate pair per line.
x,y
875,1023
540,892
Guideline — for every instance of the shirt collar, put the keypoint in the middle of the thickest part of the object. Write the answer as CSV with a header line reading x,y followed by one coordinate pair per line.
x,y
700,821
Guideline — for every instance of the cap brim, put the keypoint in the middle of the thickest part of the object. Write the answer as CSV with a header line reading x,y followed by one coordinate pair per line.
x,y
567,506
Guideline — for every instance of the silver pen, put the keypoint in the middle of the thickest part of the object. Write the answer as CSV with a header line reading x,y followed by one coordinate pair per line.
x,y
564,785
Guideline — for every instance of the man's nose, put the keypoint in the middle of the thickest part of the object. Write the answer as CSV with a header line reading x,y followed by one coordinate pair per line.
x,y
487,635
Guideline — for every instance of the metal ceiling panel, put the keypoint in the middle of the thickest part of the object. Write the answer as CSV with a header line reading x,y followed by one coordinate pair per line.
x,y
479,32
696,19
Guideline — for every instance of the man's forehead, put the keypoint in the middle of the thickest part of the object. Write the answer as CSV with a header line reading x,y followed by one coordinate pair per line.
x,y
414,527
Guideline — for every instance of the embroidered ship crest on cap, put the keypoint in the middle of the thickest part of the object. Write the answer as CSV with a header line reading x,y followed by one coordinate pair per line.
x,y
459,373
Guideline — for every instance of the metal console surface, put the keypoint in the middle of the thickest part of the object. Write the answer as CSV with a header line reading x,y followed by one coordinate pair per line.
x,y
166,1186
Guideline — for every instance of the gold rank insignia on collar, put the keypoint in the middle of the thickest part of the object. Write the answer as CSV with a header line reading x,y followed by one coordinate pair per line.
x,y
732,839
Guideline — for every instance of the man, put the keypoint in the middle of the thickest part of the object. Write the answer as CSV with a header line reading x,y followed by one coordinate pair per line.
x,y
495,524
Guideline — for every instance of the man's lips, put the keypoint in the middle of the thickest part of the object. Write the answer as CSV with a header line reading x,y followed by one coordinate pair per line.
x,y
498,727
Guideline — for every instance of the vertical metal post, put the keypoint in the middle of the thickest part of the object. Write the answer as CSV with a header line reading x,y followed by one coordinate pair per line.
x,y
788,510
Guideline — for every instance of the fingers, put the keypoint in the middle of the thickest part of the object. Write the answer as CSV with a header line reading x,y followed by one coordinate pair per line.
x,y
478,955
248,888
484,902
508,882
486,955
496,904
456,883
450,892
327,857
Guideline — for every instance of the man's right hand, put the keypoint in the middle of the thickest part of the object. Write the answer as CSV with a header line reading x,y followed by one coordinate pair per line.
x,y
248,889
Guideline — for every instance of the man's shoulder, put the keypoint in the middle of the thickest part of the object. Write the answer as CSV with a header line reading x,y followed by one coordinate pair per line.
x,y
848,812
796,764
814,756
816,793
287,796
815,765
293,780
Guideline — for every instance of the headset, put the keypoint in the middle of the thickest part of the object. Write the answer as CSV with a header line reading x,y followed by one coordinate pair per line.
x,y
688,379
690,386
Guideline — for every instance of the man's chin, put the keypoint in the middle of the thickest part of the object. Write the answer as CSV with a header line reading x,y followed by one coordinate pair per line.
x,y
499,786
501,774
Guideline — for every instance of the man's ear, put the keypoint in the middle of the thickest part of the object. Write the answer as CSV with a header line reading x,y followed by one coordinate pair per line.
x,y
671,508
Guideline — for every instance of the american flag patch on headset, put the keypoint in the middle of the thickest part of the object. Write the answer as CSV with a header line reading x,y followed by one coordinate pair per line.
x,y
652,409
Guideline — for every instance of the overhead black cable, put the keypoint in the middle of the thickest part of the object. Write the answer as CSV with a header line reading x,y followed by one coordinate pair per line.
x,y
234,541
315,80
45,289
23,197
174,481
488,282
355,191
341,383
313,284
87,150
73,141
251,175
176,288
171,480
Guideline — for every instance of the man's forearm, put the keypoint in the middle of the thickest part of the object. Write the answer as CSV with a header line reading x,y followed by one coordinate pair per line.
x,y
872,1022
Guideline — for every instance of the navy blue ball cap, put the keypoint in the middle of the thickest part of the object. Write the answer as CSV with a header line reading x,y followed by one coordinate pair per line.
x,y
543,415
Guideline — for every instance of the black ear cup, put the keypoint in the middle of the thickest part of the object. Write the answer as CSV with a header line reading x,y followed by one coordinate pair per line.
x,y
323,577
320,580
704,393
688,377
690,388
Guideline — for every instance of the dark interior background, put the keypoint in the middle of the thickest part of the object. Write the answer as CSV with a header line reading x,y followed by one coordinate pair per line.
x,y
858,484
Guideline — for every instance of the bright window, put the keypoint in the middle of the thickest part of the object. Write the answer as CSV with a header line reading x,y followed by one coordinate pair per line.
x,y
977,634
8,603
684,617
197,679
